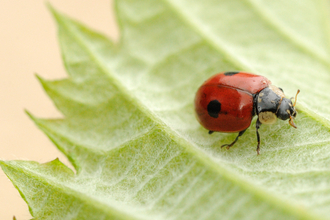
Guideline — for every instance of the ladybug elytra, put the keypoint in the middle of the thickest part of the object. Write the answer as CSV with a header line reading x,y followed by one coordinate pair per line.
x,y
228,101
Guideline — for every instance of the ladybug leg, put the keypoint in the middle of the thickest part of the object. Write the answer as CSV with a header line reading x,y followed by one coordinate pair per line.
x,y
229,145
211,132
258,124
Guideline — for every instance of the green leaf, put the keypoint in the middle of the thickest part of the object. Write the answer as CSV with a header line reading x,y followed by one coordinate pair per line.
x,y
129,127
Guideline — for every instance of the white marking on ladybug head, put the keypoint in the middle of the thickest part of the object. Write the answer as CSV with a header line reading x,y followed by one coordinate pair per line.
x,y
267,118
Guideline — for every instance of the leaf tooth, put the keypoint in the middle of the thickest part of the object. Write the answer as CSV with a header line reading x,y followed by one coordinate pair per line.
x,y
75,39
36,180
53,137
16,171
69,96
75,152
54,94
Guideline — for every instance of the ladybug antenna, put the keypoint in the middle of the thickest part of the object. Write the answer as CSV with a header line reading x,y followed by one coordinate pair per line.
x,y
295,100
291,117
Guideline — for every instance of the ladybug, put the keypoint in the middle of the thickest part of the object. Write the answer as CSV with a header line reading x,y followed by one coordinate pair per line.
x,y
228,101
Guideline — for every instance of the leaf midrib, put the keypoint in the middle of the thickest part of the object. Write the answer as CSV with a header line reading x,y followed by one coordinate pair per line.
x,y
181,140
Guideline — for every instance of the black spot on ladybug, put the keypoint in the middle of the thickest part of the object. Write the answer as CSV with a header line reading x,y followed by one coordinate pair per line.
x,y
213,108
230,73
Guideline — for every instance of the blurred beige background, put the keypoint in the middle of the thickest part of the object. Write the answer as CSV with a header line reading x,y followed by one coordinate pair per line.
x,y
28,45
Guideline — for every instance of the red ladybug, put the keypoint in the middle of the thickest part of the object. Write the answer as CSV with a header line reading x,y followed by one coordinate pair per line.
x,y
228,101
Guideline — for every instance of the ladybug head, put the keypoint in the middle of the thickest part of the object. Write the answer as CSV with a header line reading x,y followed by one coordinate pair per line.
x,y
287,110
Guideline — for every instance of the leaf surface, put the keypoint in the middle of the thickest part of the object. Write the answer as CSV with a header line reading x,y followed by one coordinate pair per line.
x,y
129,127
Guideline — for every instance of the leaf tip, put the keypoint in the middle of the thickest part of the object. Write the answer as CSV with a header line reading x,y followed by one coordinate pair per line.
x,y
56,14
33,118
39,78
29,114
43,82
6,166
51,9
2,163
